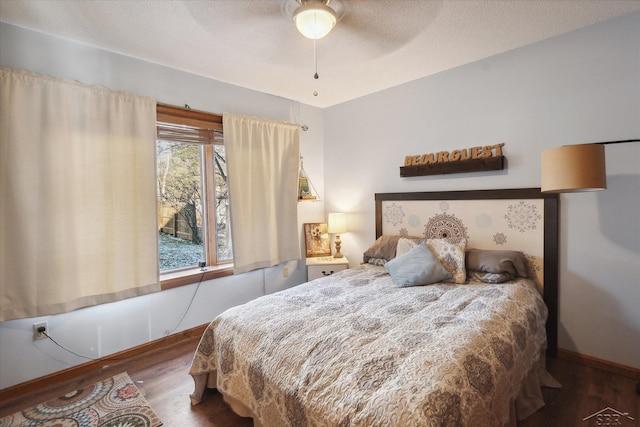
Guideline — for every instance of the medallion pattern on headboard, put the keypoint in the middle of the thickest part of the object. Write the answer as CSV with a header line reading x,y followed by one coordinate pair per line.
x,y
522,219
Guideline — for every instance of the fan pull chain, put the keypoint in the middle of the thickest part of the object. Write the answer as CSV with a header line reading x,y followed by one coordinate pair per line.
x,y
315,65
315,60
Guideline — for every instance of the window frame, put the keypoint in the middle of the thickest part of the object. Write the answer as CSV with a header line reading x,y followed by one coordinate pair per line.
x,y
186,116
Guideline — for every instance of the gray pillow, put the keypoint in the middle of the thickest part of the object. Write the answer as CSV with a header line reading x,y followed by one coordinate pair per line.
x,y
419,266
497,261
384,247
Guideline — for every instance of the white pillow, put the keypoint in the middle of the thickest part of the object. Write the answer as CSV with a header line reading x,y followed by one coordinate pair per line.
x,y
405,245
451,255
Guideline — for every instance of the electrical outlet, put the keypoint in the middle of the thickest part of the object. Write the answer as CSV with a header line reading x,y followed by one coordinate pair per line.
x,y
37,335
285,271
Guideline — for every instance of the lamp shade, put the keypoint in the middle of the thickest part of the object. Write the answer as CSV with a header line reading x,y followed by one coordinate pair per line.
x,y
314,19
337,223
573,168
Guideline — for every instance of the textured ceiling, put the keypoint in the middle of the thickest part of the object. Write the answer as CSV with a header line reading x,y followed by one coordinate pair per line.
x,y
252,43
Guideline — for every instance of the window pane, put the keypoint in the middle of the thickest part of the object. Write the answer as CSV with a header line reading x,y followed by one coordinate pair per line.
x,y
180,210
223,224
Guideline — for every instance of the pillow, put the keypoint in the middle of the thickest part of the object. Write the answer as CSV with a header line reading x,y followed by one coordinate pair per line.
x,y
451,256
384,248
490,277
497,261
405,245
419,266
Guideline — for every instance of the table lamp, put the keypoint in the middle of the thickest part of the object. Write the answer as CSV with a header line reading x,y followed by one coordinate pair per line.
x,y
337,224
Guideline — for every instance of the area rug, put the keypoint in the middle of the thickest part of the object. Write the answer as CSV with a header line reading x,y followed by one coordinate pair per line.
x,y
114,402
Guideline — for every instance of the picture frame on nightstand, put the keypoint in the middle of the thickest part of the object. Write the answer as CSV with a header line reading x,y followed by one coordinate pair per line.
x,y
316,239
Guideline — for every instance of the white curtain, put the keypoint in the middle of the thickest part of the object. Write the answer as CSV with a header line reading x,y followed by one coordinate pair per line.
x,y
262,164
77,195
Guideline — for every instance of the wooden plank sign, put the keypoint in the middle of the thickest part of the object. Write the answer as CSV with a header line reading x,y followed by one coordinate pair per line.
x,y
474,159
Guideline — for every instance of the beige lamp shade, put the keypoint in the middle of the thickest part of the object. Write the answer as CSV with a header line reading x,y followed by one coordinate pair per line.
x,y
573,168
337,223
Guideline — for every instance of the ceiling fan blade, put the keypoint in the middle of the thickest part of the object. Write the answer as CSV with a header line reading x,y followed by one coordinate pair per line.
x,y
262,21
386,25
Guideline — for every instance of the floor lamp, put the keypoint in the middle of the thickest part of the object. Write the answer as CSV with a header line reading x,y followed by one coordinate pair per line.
x,y
573,168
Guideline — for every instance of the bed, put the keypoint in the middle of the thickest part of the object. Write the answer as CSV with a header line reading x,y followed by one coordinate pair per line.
x,y
359,349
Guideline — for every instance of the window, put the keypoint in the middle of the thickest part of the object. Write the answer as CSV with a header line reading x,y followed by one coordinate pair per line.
x,y
192,196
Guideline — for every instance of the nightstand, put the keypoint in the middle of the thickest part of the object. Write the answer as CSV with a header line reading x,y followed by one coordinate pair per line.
x,y
325,266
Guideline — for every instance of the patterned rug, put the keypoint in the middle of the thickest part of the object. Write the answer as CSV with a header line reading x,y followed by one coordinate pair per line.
x,y
114,402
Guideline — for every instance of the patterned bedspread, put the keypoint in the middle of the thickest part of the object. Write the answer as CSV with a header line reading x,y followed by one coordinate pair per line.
x,y
352,349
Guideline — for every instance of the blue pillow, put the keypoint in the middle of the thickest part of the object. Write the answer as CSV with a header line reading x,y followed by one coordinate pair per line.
x,y
419,266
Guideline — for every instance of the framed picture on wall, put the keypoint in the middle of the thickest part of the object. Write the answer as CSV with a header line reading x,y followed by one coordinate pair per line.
x,y
316,239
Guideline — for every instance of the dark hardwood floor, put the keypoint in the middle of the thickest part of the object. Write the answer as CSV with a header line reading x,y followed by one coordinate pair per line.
x,y
163,379
586,391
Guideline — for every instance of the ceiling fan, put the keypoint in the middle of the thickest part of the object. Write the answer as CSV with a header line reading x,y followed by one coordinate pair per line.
x,y
372,28
359,32
314,19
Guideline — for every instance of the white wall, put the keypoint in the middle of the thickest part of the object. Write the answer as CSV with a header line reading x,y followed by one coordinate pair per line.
x,y
108,328
580,87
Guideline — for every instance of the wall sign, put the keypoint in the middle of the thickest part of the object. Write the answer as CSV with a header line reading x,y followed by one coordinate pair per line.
x,y
474,159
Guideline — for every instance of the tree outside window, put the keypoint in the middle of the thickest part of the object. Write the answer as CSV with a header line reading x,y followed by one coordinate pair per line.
x,y
193,198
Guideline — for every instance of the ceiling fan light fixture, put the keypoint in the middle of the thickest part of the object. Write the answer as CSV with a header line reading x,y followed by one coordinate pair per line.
x,y
314,19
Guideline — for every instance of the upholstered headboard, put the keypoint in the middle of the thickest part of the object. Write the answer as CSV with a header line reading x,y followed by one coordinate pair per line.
x,y
516,219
